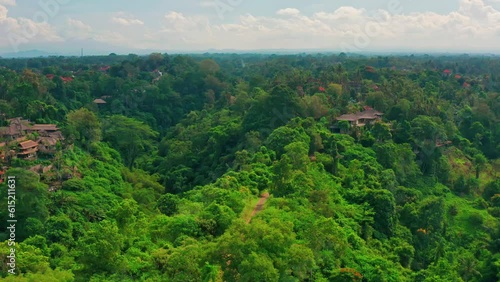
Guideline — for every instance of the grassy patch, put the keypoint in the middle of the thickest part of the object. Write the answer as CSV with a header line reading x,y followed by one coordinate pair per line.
x,y
249,207
468,218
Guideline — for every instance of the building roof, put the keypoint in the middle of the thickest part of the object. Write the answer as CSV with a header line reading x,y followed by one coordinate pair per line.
x,y
99,101
28,151
46,127
28,144
367,114
16,127
56,135
370,114
348,117
66,78
48,141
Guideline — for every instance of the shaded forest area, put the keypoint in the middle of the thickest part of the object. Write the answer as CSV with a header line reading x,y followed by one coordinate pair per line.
x,y
164,158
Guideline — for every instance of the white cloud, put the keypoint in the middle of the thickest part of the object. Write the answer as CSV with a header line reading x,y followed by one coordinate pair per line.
x,y
3,12
343,13
479,11
19,31
127,22
474,25
77,29
178,22
125,19
288,12
79,25
8,2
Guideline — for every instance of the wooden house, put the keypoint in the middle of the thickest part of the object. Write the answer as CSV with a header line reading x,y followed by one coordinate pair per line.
x,y
47,145
28,150
368,116
99,101
49,128
16,129
359,119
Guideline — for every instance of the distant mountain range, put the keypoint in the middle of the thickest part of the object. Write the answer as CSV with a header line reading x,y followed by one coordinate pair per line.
x,y
92,47
71,48
27,54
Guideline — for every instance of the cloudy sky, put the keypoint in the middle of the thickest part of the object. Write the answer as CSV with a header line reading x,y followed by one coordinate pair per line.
x,y
190,25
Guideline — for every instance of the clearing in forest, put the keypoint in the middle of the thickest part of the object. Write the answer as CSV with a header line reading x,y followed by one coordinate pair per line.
x,y
259,206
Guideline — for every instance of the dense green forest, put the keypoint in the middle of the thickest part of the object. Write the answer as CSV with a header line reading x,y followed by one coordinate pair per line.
x,y
165,158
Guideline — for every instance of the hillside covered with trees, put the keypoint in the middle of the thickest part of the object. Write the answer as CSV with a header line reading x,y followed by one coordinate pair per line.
x,y
164,159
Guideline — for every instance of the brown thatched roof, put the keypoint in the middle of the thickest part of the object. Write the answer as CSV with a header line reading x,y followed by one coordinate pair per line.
x,y
48,141
368,114
28,144
99,101
45,127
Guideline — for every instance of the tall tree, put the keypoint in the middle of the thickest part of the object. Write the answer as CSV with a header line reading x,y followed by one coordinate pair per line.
x,y
83,126
129,136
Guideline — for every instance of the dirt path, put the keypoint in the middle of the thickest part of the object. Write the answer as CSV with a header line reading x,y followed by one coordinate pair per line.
x,y
259,206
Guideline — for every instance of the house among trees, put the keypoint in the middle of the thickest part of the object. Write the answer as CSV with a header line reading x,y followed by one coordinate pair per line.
x,y
17,133
48,128
17,128
368,116
99,101
47,145
359,119
28,150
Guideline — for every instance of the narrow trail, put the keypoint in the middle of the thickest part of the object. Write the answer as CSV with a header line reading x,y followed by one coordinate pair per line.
x,y
259,206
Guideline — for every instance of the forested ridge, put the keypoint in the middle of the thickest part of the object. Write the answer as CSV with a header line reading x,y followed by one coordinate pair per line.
x,y
164,159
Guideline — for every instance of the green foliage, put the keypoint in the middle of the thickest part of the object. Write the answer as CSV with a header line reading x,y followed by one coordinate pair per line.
x,y
258,268
100,248
283,136
129,136
168,204
371,204
83,126
31,203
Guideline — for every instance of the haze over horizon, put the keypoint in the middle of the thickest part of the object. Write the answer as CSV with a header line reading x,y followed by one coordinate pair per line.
x,y
65,26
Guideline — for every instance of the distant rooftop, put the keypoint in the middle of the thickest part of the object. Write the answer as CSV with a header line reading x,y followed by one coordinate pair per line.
x,y
45,127
99,101
28,144
368,113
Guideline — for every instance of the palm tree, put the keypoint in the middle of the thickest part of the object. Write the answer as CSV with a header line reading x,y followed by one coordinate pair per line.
x,y
468,267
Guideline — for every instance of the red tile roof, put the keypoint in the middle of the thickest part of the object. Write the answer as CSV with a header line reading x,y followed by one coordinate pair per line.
x,y
66,79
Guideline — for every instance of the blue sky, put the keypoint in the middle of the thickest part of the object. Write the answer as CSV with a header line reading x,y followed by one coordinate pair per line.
x,y
191,25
